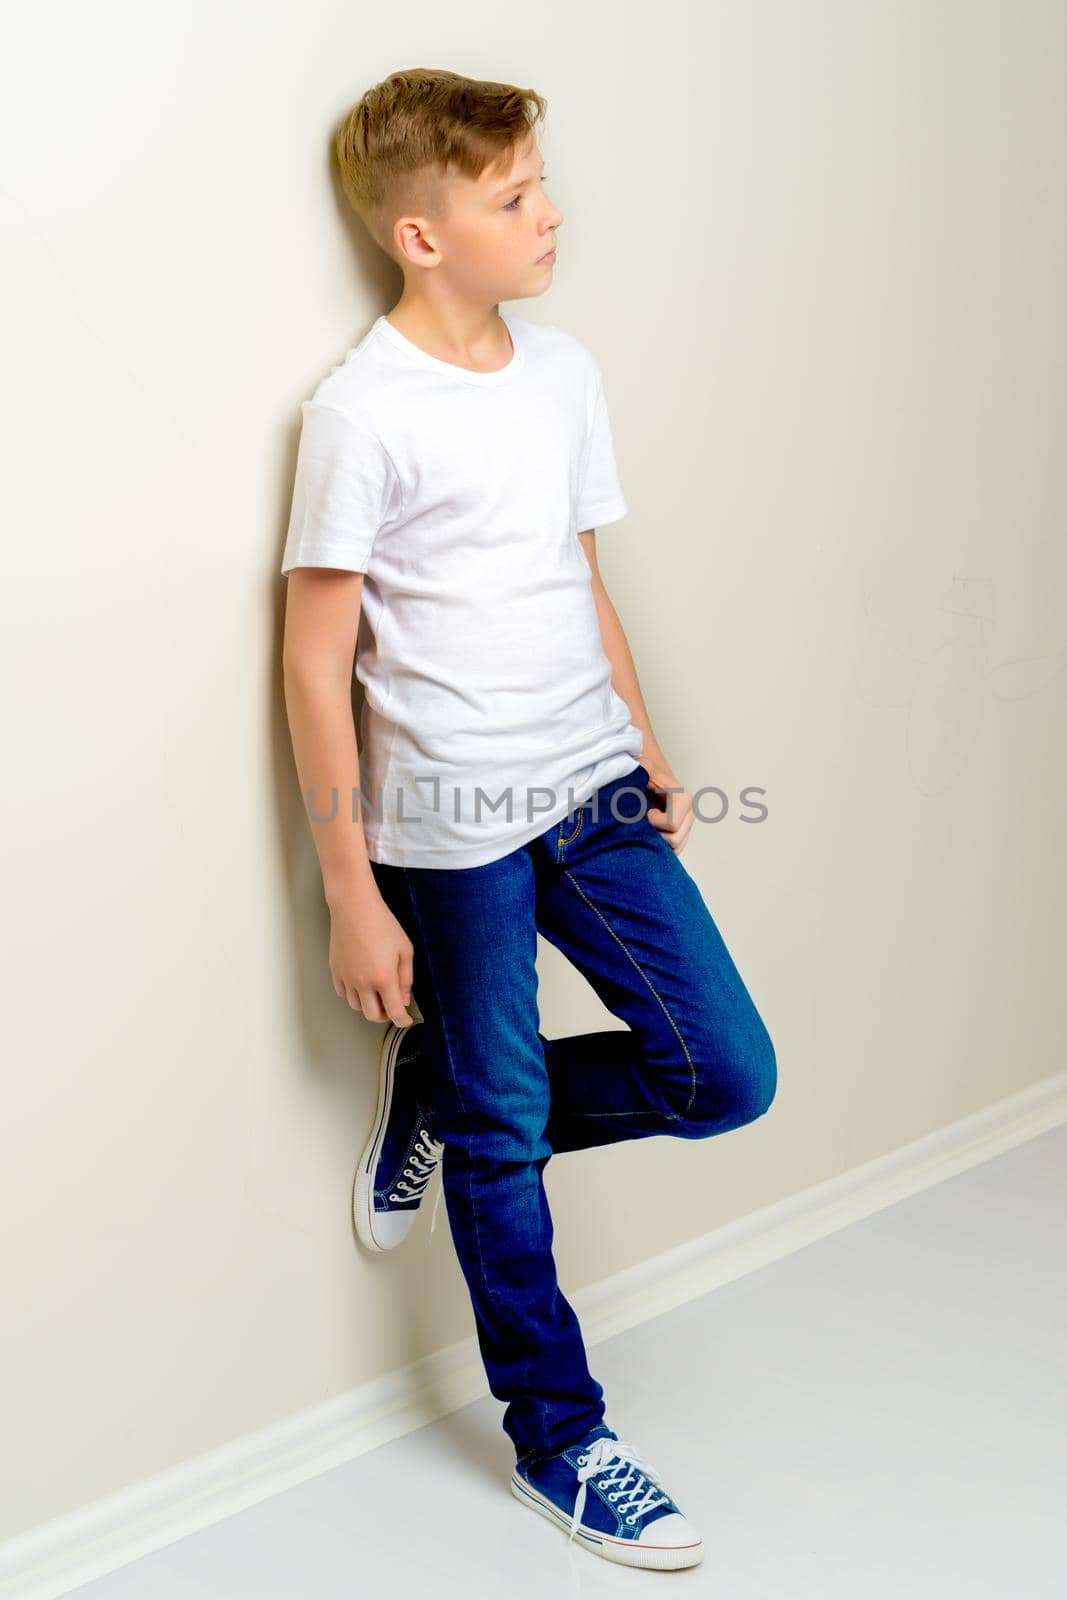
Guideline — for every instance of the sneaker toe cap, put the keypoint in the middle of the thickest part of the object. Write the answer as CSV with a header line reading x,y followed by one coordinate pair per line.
x,y
672,1530
391,1228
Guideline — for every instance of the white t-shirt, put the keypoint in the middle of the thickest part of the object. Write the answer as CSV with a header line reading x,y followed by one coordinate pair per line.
x,y
461,495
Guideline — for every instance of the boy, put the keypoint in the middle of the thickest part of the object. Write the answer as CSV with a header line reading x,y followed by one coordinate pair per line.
x,y
451,473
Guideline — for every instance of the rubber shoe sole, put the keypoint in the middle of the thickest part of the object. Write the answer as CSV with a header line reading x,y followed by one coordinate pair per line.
x,y
392,1228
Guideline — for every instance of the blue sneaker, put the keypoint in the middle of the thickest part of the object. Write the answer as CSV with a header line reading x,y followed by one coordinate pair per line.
x,y
629,1517
401,1155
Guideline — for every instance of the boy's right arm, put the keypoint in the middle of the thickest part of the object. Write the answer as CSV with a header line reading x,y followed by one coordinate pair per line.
x,y
370,954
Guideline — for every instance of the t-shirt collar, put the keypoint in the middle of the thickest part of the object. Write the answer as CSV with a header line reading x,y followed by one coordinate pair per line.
x,y
449,369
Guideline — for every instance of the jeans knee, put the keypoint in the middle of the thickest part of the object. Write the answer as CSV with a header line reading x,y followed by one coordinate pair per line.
x,y
763,1074
735,1084
505,1132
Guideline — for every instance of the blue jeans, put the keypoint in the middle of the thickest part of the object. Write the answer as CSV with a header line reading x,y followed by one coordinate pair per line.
x,y
694,1059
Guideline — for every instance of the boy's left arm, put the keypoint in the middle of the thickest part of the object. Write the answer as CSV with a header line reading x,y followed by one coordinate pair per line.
x,y
676,820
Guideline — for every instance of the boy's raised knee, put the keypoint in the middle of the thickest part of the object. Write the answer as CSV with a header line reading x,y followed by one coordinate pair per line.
x,y
735,1085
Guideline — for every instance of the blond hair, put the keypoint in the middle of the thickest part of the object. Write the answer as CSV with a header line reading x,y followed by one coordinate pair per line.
x,y
396,144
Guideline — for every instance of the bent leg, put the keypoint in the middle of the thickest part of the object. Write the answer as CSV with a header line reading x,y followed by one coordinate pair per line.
x,y
695,1058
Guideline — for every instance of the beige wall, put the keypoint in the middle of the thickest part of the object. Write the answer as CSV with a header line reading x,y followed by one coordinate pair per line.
x,y
819,251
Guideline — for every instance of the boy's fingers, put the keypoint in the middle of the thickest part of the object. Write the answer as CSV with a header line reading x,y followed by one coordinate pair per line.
x,y
394,1004
368,1004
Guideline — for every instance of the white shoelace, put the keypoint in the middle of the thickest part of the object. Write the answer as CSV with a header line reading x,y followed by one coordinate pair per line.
x,y
425,1155
619,1462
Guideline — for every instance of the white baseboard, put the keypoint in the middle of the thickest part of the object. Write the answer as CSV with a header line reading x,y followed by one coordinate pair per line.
x,y
48,1561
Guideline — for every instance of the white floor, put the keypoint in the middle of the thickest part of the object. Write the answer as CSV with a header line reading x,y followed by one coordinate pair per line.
x,y
882,1414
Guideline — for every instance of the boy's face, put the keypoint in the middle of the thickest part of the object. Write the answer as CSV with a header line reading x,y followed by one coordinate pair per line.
x,y
490,233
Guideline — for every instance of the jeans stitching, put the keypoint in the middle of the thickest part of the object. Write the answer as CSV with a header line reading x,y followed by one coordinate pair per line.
x,y
455,1082
671,1115
630,957
572,836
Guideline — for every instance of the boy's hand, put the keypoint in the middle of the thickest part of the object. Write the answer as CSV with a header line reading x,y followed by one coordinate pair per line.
x,y
371,959
671,813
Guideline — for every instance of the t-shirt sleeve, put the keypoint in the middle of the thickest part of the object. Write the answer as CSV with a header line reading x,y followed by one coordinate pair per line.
x,y
345,488
600,496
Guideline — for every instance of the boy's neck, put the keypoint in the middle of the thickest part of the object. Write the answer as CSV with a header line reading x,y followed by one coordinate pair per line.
x,y
467,336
